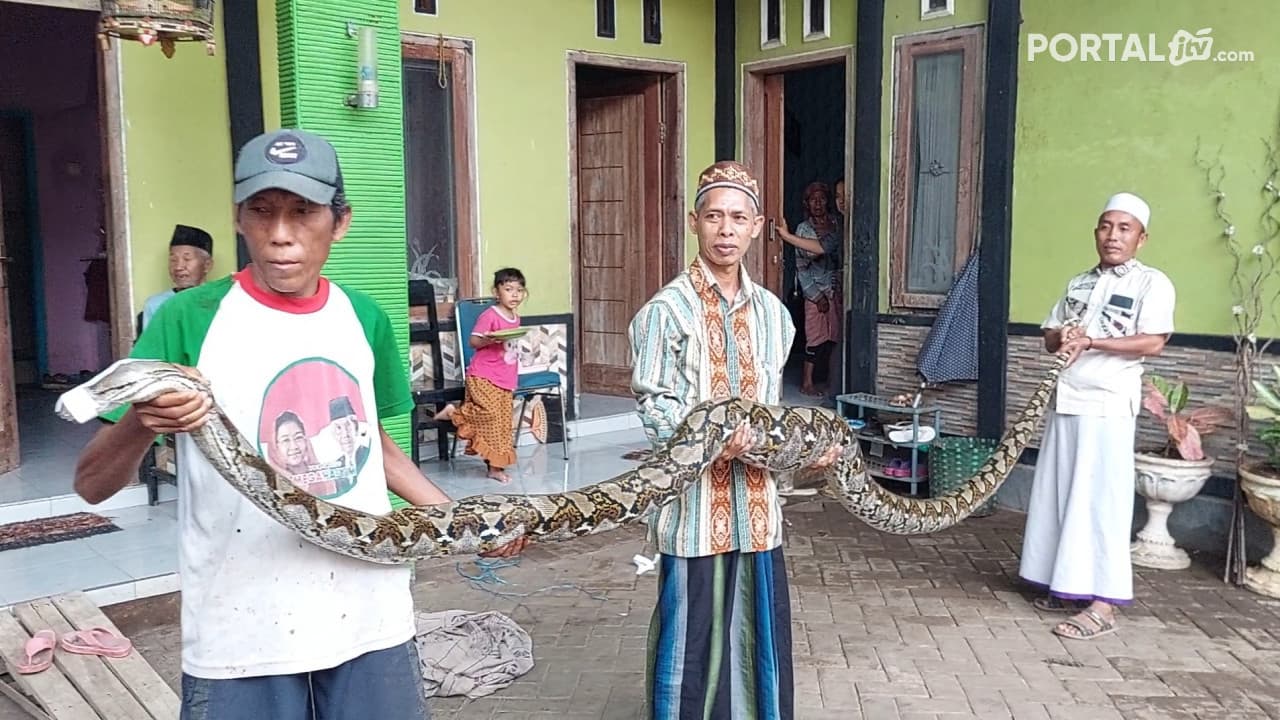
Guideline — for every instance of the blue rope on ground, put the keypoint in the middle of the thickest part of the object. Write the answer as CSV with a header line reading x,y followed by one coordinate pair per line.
x,y
489,576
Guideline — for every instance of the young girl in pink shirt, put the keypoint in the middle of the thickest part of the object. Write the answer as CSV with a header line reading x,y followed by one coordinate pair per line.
x,y
484,418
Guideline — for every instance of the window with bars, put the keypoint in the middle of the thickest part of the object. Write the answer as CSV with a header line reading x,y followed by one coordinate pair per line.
x,y
937,8
771,29
426,7
606,23
817,19
652,21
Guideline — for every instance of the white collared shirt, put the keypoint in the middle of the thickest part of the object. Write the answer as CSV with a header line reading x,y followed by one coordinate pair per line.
x,y
1129,299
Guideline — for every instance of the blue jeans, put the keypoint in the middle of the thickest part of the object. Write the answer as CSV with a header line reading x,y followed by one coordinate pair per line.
x,y
384,684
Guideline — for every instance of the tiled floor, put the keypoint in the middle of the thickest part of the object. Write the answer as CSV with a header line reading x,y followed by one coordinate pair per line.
x,y
541,468
48,445
146,546
591,405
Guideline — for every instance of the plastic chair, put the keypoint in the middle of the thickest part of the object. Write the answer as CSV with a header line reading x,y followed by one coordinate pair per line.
x,y
543,382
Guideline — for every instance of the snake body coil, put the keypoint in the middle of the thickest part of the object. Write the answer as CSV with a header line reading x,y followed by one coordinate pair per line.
x,y
793,438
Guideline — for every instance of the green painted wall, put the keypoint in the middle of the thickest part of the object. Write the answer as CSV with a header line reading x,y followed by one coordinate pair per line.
x,y
317,72
1086,129
177,155
522,143
844,15
269,62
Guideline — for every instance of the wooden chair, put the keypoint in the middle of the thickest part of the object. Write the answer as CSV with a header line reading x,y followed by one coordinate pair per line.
x,y
430,398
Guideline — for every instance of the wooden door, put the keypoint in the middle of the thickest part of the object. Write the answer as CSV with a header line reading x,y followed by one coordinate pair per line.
x,y
8,388
769,265
611,242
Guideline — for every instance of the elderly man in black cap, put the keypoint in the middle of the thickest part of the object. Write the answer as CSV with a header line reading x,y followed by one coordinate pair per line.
x,y
190,260
351,434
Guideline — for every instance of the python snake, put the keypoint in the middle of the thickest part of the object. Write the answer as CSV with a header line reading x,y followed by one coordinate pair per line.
x,y
789,439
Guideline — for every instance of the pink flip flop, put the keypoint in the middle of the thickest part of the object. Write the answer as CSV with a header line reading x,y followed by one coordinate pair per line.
x,y
39,652
97,641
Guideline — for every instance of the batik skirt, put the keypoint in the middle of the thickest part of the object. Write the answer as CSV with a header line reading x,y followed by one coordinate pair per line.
x,y
484,421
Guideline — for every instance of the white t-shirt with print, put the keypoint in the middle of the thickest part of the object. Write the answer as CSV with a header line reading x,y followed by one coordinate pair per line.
x,y
257,599
1129,299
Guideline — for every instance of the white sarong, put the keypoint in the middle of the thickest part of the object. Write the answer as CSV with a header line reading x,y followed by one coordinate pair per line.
x,y
1080,514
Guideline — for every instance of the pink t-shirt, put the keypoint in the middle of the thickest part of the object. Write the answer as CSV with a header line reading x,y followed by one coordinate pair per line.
x,y
497,363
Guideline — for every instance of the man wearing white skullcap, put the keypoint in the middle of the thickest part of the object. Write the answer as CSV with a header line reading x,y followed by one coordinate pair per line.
x,y
1111,317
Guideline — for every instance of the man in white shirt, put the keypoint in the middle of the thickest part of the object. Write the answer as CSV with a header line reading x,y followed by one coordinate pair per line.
x,y
1112,316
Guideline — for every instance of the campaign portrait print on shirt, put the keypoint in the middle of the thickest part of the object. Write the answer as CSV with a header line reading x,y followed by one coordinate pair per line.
x,y
314,427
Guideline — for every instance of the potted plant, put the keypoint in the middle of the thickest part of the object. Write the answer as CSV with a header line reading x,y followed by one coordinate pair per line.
x,y
1174,473
1260,481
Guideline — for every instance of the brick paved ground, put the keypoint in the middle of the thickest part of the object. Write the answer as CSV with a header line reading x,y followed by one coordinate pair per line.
x,y
885,627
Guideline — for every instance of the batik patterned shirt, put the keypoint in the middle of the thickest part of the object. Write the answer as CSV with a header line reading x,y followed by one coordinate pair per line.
x,y
689,344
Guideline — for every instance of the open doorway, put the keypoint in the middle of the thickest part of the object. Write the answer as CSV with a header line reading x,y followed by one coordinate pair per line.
x,y
626,204
56,275
797,137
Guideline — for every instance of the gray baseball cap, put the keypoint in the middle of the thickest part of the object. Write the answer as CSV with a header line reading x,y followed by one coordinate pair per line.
x,y
294,160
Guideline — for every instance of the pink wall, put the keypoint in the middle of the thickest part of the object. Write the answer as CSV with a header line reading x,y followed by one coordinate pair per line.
x,y
56,86
68,174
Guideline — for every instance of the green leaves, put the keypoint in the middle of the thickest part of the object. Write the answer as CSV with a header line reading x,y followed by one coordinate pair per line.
x,y
1175,393
1167,400
1268,410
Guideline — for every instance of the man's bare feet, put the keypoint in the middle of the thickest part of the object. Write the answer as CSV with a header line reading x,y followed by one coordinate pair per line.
x,y
446,413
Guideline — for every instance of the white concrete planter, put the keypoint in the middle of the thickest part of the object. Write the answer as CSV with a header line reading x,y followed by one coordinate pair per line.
x,y
1164,482
1262,489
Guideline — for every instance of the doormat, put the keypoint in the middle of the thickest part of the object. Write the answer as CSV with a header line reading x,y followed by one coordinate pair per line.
x,y
30,533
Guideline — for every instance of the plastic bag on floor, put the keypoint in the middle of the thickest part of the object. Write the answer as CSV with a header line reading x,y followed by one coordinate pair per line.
x,y
471,654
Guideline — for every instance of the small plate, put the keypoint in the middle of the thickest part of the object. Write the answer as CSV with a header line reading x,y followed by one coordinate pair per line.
x,y
509,334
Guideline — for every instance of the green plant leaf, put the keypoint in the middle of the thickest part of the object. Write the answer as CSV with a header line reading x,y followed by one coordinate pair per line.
x,y
1179,399
1261,412
1266,396
1161,384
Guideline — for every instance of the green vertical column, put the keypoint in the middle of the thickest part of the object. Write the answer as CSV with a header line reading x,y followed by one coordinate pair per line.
x,y
318,70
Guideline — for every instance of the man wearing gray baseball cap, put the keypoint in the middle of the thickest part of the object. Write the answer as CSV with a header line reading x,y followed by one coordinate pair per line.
x,y
273,626
300,162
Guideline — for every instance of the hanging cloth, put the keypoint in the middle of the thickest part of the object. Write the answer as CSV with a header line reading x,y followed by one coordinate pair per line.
x,y
950,352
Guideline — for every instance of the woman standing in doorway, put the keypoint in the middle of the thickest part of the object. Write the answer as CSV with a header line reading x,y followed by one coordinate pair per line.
x,y
817,243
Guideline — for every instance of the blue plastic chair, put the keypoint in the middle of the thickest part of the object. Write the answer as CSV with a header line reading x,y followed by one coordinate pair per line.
x,y
543,382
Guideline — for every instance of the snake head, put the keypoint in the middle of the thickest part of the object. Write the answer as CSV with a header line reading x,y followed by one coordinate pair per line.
x,y
125,381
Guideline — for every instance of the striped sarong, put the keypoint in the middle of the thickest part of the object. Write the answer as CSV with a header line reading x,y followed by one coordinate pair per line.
x,y
720,639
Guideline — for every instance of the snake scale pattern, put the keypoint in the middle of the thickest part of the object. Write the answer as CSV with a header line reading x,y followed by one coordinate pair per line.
x,y
791,438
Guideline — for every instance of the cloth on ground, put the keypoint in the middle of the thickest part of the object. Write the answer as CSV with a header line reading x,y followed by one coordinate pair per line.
x,y
950,352
472,654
